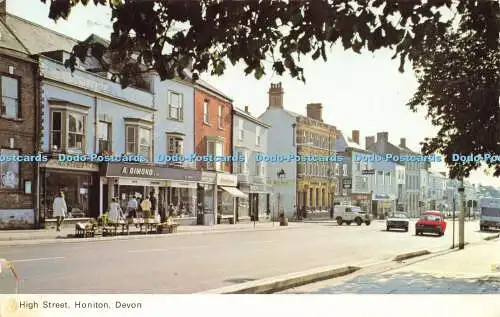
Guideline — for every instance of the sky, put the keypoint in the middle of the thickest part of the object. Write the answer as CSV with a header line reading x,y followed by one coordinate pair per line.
x,y
358,92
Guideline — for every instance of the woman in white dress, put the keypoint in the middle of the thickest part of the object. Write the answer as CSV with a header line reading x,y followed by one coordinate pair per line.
x,y
115,211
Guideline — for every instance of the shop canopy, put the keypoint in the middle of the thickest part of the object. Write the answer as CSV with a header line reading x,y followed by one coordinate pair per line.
x,y
235,192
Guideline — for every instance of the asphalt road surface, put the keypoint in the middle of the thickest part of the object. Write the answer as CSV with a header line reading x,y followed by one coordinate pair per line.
x,y
194,263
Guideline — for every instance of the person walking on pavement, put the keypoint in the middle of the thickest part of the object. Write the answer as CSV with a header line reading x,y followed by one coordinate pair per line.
x,y
59,209
115,211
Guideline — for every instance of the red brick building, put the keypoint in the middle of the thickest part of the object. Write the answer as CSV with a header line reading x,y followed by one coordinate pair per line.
x,y
18,129
212,125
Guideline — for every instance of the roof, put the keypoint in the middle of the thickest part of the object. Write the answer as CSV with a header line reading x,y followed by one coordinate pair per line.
x,y
35,39
249,117
203,84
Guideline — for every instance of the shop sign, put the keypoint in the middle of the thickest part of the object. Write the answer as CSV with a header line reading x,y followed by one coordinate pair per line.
x,y
70,165
138,171
210,178
347,183
179,184
227,180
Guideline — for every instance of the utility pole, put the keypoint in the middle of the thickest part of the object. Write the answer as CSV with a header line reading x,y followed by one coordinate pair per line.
x,y
461,223
453,231
330,173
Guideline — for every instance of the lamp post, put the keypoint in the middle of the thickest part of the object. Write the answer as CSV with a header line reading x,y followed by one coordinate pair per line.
x,y
280,176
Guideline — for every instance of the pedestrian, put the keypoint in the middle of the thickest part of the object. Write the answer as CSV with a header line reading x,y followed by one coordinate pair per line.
x,y
132,207
59,209
153,201
146,207
115,211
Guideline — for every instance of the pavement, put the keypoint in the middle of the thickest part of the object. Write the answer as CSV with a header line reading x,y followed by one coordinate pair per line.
x,y
474,270
190,263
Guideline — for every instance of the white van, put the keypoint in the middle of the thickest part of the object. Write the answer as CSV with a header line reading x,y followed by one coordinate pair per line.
x,y
348,214
490,213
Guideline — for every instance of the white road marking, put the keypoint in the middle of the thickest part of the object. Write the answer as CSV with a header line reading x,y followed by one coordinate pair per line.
x,y
169,249
39,259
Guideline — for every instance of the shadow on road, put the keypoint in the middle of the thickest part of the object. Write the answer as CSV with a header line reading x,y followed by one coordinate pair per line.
x,y
414,283
394,230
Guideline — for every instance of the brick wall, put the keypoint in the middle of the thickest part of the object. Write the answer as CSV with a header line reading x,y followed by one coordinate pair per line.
x,y
21,130
201,129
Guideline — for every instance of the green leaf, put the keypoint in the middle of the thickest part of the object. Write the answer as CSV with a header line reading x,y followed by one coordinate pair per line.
x,y
278,67
316,54
259,72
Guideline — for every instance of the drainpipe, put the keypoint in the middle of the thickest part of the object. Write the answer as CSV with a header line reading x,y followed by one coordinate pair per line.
x,y
38,118
96,125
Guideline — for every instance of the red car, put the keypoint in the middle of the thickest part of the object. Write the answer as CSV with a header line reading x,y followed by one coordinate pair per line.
x,y
431,222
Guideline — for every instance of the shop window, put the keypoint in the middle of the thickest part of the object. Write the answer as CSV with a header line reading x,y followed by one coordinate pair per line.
x,y
259,168
10,97
9,169
138,141
205,112
175,106
104,137
68,130
220,117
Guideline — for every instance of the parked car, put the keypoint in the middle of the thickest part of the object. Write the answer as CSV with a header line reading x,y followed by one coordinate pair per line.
x,y
397,221
490,213
348,214
431,222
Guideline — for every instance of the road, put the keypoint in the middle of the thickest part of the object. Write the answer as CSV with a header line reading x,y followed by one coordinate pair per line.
x,y
193,263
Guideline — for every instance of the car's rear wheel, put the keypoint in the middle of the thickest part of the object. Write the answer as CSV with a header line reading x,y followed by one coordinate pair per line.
x,y
339,221
417,233
367,222
359,222
388,228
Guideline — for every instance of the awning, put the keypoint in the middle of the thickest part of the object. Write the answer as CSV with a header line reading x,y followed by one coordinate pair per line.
x,y
235,192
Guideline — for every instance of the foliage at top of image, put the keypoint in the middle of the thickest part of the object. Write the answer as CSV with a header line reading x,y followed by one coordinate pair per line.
x,y
457,66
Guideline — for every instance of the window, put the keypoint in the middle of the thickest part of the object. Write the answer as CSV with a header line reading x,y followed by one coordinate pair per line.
x,y
242,167
138,141
241,132
10,97
220,116
104,137
215,149
344,169
175,106
336,169
175,145
68,130
257,136
259,169
56,130
131,146
9,170
205,111
145,142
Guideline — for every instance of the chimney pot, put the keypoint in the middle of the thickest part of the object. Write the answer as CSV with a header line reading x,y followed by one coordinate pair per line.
x,y
355,136
246,109
383,137
314,111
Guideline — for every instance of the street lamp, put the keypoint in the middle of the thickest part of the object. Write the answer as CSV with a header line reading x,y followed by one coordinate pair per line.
x,y
280,175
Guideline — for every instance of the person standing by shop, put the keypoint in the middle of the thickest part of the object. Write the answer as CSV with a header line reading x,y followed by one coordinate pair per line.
x,y
132,206
153,201
146,207
59,209
115,211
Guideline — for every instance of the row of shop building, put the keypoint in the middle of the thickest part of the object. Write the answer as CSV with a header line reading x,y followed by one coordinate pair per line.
x,y
47,110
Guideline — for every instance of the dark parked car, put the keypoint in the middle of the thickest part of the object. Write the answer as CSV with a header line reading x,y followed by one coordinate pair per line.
x,y
431,222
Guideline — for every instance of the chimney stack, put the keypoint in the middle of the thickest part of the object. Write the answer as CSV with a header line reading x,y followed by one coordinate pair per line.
x,y
402,142
276,96
3,9
314,111
369,142
355,136
246,109
383,137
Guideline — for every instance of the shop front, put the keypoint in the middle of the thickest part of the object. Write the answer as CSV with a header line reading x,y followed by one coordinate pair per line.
x,y
174,189
228,195
259,202
383,205
364,201
78,180
207,196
